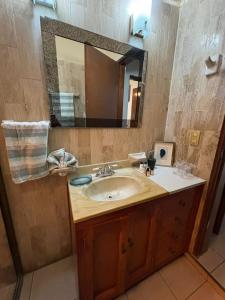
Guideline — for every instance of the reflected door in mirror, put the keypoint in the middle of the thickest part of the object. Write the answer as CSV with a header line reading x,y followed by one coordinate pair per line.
x,y
104,85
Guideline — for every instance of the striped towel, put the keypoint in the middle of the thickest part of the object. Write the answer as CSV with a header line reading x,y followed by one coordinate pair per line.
x,y
63,104
63,107
26,144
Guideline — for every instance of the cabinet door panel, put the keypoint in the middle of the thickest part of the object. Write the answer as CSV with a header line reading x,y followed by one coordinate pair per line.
x,y
109,258
102,249
139,245
172,222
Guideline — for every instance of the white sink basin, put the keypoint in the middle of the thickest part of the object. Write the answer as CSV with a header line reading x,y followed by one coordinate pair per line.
x,y
114,188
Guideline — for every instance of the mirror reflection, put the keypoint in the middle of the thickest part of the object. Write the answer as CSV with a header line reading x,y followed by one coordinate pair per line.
x,y
97,87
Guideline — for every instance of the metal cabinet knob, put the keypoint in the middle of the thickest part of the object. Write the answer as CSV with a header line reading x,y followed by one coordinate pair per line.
x,y
124,249
178,220
182,203
130,242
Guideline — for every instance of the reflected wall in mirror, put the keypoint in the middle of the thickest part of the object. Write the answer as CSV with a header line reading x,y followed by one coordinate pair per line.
x,y
92,81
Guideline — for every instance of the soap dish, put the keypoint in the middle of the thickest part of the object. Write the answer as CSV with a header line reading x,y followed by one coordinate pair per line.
x,y
81,180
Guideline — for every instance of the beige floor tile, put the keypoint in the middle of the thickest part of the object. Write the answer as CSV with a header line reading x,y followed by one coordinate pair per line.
x,y
218,244
194,262
152,288
210,260
26,288
206,292
6,293
222,228
182,278
56,281
219,274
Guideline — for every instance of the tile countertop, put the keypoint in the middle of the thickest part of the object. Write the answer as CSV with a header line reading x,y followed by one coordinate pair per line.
x,y
162,183
165,177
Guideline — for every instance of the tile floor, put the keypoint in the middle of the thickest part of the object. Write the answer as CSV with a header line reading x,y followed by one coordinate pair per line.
x,y
6,293
177,281
213,260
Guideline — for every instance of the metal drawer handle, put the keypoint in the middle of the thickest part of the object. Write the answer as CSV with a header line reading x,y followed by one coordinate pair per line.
x,y
171,251
178,220
174,236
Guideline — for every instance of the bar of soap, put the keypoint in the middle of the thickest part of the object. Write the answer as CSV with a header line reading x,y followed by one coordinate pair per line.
x,y
76,181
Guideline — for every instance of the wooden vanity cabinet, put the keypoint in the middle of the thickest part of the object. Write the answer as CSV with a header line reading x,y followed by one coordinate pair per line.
x,y
101,251
117,250
139,260
173,225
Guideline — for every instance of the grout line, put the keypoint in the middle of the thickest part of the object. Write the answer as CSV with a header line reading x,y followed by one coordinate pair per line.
x,y
164,280
211,280
31,286
205,280
211,243
188,297
197,266
213,249
217,267
215,284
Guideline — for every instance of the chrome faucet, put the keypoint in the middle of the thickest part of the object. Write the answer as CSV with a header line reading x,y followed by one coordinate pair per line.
x,y
106,170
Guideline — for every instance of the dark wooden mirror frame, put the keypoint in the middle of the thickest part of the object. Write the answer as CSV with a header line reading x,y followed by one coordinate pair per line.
x,y
50,28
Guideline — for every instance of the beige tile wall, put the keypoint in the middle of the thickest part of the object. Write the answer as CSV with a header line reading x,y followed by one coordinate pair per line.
x,y
40,208
197,102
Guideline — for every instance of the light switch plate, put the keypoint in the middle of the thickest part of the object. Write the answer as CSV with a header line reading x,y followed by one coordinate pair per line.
x,y
194,137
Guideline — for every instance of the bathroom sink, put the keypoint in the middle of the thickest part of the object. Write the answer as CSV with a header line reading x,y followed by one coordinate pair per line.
x,y
114,188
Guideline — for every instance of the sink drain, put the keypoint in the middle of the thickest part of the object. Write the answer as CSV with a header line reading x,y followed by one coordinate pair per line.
x,y
110,196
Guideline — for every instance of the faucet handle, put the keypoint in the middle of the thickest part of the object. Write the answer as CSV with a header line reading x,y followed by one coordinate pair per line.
x,y
105,170
98,171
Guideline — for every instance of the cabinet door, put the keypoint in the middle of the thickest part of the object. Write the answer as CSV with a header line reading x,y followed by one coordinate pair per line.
x,y
139,244
173,225
102,261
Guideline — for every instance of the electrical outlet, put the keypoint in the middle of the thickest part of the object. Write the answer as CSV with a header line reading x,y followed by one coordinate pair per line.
x,y
194,137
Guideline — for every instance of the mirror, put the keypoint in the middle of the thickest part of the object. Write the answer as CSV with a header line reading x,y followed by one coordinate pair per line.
x,y
92,81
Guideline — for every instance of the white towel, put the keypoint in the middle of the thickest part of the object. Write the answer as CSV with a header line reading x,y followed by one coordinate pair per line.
x,y
26,144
